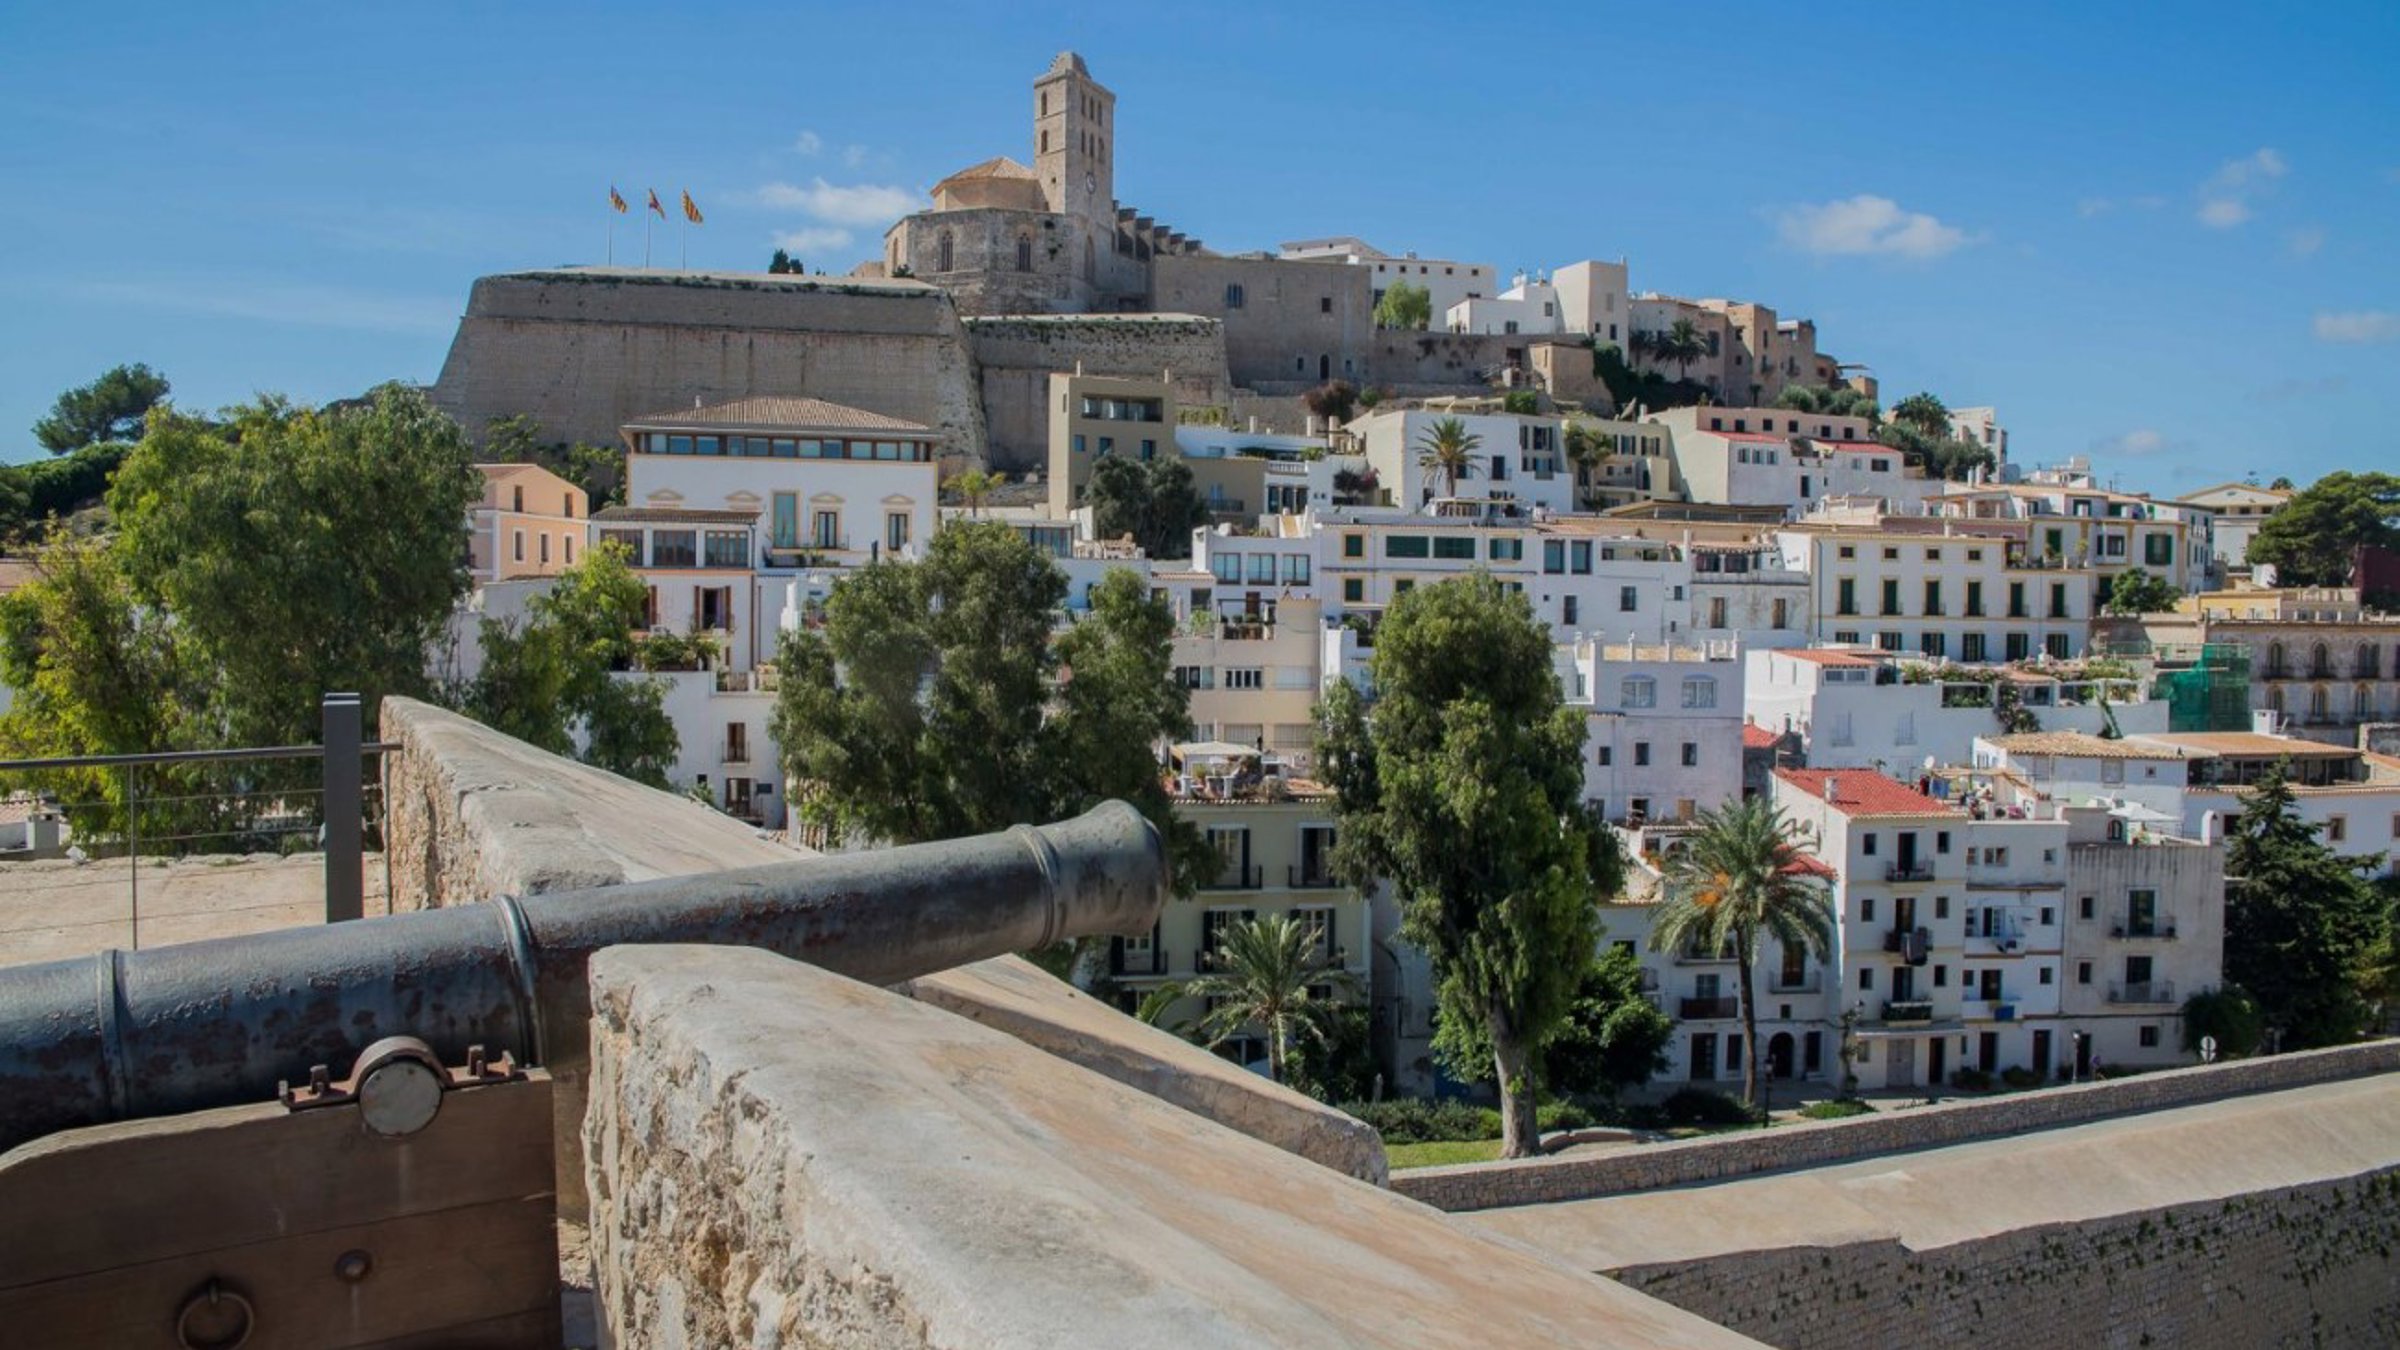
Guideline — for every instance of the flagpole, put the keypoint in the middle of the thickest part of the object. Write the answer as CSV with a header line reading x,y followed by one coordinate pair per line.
x,y
683,238
612,237
646,239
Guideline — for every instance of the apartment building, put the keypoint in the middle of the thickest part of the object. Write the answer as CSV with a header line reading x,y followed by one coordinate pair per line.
x,y
1095,416
1446,281
1274,836
1516,459
1637,465
2083,526
2233,512
1901,586
1779,457
1530,305
1854,708
1594,301
527,522
1663,727
1744,592
1249,658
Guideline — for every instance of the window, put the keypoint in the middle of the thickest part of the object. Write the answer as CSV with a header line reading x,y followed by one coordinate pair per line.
x,y
1941,907
570,543
1508,550
786,520
825,529
1233,295
1641,754
1454,547
1638,691
895,530
1941,841
2046,975
1691,755
1579,558
1891,595
2337,829
1354,590
517,545
1605,756
727,548
1933,597
1866,979
2158,550
2085,907
629,540
2083,972
1406,546
1025,248
1629,598
1325,304
1554,556
673,548
1245,677
1354,546
1295,569
1262,569
1568,612
1866,845
2058,600
2016,599
2149,1037
1226,567
1941,977
1847,596
1699,691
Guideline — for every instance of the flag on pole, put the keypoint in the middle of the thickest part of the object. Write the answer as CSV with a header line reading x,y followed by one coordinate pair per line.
x,y
662,211
690,211
616,201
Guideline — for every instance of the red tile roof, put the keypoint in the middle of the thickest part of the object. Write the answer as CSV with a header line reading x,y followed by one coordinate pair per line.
x,y
1864,792
1824,656
1808,866
1756,737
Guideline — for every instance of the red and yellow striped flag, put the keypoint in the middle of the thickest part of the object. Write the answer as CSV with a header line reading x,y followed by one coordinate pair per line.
x,y
615,200
690,211
662,211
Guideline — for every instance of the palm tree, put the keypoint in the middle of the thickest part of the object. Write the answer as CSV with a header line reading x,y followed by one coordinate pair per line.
x,y
1448,449
1924,412
1739,875
975,485
1262,975
1683,344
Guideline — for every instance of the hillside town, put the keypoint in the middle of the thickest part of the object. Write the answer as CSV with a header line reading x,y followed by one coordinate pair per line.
x,y
1828,753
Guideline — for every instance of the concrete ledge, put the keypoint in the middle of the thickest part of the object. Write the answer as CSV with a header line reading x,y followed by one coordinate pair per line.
x,y
471,814
782,1156
1801,1144
1026,1002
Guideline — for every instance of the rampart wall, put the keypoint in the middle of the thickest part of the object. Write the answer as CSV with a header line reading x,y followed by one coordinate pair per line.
x,y
1809,1143
583,351
2303,1266
1016,355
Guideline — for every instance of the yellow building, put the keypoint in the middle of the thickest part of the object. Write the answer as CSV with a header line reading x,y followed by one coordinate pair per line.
x,y
529,522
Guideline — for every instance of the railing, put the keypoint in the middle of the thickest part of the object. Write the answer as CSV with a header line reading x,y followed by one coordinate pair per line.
x,y
2160,929
1703,1009
202,802
1916,871
1246,630
1235,877
1301,877
2146,991
1913,943
1908,1010
763,680
735,752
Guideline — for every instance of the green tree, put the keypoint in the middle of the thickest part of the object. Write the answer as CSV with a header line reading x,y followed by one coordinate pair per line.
x,y
2311,539
2135,591
1613,1038
598,469
1463,787
1683,343
1802,398
784,262
1262,978
2229,1015
298,551
1404,305
552,674
1740,876
1448,448
2301,925
1154,501
110,408
975,486
1334,400
1924,413
940,699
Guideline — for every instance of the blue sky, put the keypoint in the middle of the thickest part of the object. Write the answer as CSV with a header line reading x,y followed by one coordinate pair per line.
x,y
2161,235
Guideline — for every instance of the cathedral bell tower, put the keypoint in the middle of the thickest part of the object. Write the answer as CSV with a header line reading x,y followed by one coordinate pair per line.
x,y
1074,135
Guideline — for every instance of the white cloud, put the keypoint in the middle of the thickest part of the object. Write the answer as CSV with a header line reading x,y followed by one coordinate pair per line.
x,y
813,239
2357,325
808,143
2228,196
840,204
1868,225
2305,241
2141,443
296,303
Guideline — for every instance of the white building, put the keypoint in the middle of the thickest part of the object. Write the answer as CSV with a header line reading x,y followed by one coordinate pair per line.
x,y
1664,727
2233,512
1854,708
1529,306
1593,300
1909,584
1795,460
1445,281
1515,459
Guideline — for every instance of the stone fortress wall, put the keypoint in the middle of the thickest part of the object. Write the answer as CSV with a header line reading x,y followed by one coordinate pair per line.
x,y
2306,1265
582,351
1016,356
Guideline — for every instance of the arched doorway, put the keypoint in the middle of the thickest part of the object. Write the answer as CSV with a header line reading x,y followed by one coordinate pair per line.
x,y
1779,1055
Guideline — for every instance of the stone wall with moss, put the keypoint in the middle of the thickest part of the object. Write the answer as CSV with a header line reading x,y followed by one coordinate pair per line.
x,y
2308,1266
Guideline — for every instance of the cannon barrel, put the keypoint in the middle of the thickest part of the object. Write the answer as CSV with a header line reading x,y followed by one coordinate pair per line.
x,y
128,1035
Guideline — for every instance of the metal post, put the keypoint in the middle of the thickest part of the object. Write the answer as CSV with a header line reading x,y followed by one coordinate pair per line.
x,y
345,880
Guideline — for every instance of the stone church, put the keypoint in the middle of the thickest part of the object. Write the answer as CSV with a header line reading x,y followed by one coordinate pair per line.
x,y
1003,238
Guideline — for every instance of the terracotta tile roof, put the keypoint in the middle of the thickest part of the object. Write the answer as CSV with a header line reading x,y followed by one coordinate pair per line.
x,y
2080,745
1810,866
1860,793
1824,656
779,413
2248,743
1756,737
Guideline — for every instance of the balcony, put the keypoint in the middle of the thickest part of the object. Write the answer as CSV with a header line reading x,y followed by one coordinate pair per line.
x,y
1908,1010
735,753
1246,630
1308,877
1908,871
763,680
1911,944
2159,930
1235,877
2145,991
1705,1009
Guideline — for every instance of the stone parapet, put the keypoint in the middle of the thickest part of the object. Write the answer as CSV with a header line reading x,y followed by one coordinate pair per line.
x,y
779,1156
1809,1143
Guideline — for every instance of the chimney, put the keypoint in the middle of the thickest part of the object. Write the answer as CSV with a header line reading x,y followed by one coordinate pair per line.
x,y
1079,367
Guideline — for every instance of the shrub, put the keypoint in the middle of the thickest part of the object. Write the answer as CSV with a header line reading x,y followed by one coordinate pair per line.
x,y
2019,1077
1413,1120
1523,402
1699,1106
1971,1080
1563,1116
1836,1110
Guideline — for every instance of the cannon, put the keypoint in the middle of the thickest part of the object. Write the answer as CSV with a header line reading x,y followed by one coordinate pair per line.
x,y
133,1035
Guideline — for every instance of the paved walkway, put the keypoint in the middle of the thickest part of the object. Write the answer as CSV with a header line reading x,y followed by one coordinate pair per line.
x,y
57,909
1936,1197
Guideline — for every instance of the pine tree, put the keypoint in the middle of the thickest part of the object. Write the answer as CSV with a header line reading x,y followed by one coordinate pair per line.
x,y
2301,925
